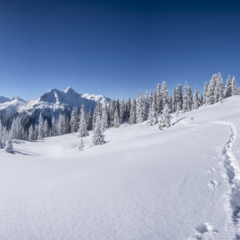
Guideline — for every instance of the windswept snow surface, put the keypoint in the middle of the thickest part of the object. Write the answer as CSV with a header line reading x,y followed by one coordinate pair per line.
x,y
142,184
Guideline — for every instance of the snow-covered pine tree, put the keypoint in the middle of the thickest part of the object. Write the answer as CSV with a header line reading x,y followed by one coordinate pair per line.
x,y
89,120
111,111
8,146
81,145
165,120
54,127
82,130
170,103
122,111
205,94
212,89
178,109
164,93
150,99
104,117
97,112
133,112
186,99
31,133
46,130
234,86
147,107
159,100
155,99
128,109
179,95
152,116
40,127
74,120
228,88
140,108
116,119
174,105
98,137
196,99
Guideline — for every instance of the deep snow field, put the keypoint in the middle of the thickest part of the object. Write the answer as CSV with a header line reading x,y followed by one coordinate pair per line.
x,y
143,184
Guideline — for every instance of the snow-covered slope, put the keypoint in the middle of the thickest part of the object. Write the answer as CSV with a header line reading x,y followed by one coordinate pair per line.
x,y
180,183
55,102
10,105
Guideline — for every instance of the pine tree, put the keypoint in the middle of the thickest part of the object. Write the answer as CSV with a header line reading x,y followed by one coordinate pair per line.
x,y
159,99
74,120
89,120
150,99
234,86
46,130
140,108
54,127
187,102
164,93
128,109
104,118
170,103
133,112
97,112
152,116
81,145
165,118
178,109
122,111
155,99
9,147
40,127
147,106
82,125
116,119
111,111
205,94
196,99
98,137
179,95
31,133
174,97
212,89
228,88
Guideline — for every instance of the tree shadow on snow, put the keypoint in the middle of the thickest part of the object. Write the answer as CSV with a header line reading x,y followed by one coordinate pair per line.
x,y
178,121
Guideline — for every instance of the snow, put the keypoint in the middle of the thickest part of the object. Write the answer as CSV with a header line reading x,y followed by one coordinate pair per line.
x,y
11,105
142,184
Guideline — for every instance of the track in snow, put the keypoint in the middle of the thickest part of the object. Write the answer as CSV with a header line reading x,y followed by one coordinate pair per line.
x,y
232,168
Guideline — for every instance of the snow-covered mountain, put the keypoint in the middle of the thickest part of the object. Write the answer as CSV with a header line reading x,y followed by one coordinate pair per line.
x,y
10,105
54,103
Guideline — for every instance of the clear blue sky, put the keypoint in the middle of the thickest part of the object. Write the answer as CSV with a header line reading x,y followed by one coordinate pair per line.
x,y
116,47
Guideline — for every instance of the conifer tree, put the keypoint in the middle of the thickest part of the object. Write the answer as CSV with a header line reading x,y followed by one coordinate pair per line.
x,y
159,99
122,111
89,120
116,119
140,108
54,127
150,99
82,130
234,86
98,137
31,133
147,107
212,89
174,97
164,93
179,95
155,99
196,99
40,127
81,145
133,112
165,118
152,116
46,128
74,120
8,146
178,109
228,88
104,117
205,94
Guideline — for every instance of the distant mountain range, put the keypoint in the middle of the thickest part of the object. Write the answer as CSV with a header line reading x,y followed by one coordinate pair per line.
x,y
49,104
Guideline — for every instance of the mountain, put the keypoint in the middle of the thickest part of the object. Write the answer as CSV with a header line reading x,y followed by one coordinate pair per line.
x,y
53,103
10,105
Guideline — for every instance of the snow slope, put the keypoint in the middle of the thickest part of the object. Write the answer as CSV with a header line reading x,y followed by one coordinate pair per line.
x,y
180,183
10,105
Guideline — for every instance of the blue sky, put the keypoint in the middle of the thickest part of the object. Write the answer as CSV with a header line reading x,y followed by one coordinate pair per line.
x,y
115,48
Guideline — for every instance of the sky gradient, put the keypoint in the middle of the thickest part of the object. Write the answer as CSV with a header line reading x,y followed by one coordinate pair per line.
x,y
115,48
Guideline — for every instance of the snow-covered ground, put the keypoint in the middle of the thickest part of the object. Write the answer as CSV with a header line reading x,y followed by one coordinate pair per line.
x,y
144,183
